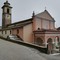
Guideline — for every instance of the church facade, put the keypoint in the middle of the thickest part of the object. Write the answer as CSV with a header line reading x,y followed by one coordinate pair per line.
x,y
39,29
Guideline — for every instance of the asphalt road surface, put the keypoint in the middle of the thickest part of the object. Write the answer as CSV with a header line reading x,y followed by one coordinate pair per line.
x,y
13,51
55,56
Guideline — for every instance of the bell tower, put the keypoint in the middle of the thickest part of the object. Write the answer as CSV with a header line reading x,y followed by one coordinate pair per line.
x,y
6,14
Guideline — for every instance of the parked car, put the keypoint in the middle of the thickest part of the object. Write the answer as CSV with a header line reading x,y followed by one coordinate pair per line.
x,y
14,37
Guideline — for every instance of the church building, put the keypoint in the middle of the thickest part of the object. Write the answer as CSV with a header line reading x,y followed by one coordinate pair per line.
x,y
39,29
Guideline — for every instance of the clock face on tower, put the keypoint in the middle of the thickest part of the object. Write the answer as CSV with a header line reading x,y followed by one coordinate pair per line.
x,y
8,17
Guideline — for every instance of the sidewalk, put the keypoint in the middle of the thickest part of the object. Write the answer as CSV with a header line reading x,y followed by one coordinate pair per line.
x,y
55,54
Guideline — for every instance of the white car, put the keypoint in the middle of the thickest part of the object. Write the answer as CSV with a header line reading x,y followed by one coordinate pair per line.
x,y
14,37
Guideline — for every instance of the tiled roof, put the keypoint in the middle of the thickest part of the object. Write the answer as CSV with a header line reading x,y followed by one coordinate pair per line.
x,y
20,23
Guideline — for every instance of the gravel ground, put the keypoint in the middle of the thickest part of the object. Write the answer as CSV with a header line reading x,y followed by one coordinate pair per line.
x,y
13,51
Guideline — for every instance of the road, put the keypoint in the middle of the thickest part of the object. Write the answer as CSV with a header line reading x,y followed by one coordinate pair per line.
x,y
55,56
13,51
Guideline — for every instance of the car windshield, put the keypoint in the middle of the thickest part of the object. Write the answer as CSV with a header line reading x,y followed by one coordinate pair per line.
x,y
12,36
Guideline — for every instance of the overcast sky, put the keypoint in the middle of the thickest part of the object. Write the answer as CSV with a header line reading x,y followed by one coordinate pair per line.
x,y
22,9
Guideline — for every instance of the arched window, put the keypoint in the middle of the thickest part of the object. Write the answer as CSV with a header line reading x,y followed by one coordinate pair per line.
x,y
10,31
17,31
49,40
7,10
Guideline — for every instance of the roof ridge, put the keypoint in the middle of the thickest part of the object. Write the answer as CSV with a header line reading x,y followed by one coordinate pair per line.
x,y
20,21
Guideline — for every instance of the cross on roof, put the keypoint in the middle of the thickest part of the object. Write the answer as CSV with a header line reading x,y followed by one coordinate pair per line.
x,y
45,8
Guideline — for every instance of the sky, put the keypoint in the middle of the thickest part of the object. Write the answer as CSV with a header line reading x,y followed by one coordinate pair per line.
x,y
23,9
